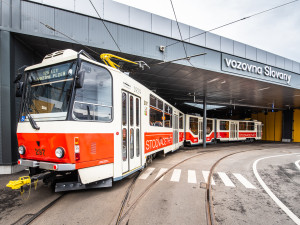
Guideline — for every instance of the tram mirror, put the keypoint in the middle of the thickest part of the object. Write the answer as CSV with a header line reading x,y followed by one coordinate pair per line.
x,y
80,79
19,89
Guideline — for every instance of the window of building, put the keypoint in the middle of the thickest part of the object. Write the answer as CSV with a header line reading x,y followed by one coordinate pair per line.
x,y
94,100
224,125
194,125
168,116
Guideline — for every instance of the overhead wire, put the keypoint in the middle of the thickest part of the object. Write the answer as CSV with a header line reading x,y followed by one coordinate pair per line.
x,y
179,29
65,35
227,24
183,44
55,30
105,25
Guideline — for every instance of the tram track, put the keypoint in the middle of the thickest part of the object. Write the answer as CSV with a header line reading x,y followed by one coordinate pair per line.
x,y
123,212
121,216
208,197
39,213
210,215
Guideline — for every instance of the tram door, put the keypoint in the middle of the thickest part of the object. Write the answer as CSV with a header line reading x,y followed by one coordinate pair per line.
x,y
131,132
258,129
200,131
233,131
175,132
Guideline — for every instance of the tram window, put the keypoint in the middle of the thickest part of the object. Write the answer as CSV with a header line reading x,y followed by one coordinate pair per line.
x,y
137,110
180,121
160,104
83,111
250,126
209,126
168,116
156,117
224,125
124,144
194,125
124,108
242,125
156,114
137,142
152,100
131,110
131,142
94,100
102,113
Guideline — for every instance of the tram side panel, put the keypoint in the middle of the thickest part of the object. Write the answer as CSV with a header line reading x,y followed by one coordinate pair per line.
x,y
161,124
194,130
247,131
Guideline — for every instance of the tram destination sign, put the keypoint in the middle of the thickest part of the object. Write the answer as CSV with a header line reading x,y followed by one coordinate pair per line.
x,y
252,69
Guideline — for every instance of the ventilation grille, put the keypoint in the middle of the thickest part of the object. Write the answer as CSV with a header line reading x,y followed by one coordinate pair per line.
x,y
93,148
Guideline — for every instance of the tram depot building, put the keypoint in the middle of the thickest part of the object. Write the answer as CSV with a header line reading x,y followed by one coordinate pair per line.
x,y
235,80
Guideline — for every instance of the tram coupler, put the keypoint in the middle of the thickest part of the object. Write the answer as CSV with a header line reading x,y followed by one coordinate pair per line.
x,y
26,180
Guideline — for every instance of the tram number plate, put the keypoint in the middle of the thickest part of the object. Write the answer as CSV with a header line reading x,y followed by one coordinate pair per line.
x,y
39,151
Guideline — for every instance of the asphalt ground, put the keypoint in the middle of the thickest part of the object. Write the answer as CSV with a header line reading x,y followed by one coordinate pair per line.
x,y
178,197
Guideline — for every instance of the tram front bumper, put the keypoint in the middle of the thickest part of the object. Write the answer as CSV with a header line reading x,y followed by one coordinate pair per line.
x,y
47,165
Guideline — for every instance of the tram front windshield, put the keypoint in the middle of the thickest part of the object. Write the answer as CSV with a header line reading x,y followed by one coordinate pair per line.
x,y
48,92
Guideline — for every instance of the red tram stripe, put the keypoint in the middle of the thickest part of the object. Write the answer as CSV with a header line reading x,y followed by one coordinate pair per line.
x,y
95,149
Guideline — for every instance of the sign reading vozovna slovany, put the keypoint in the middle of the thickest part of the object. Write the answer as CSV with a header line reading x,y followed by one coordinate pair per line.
x,y
247,67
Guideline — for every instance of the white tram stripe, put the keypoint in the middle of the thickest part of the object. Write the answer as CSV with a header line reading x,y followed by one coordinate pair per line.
x,y
226,179
297,163
176,175
192,177
161,171
205,175
244,181
147,173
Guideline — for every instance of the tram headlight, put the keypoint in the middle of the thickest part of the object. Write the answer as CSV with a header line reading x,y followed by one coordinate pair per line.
x,y
59,152
21,149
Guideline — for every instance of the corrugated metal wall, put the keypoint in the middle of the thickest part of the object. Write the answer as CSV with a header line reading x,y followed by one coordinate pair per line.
x,y
296,126
272,129
131,17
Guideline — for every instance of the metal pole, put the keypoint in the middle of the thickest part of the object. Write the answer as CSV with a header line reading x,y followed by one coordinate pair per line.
x,y
204,121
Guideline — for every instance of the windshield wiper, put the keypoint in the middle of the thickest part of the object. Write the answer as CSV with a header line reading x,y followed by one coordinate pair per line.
x,y
31,120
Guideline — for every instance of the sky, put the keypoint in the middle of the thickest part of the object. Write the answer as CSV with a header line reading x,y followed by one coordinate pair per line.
x,y
276,31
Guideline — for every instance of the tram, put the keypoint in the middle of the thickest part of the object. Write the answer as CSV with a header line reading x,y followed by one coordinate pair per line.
x,y
85,124
221,130
90,122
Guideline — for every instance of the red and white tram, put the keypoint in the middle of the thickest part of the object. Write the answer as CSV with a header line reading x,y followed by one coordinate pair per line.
x,y
91,124
221,130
